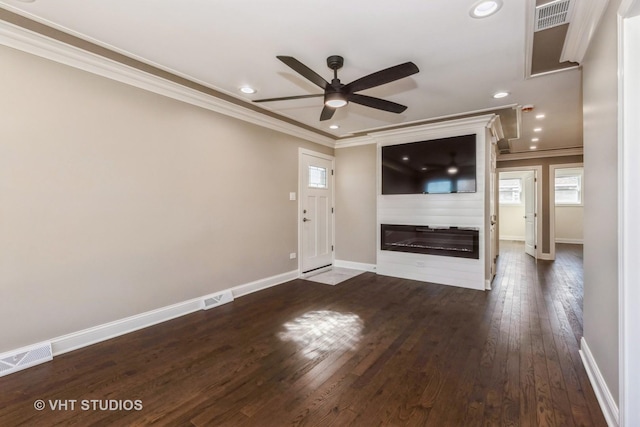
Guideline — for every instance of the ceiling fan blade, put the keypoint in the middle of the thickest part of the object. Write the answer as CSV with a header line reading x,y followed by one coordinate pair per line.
x,y
327,113
286,98
382,77
304,71
378,103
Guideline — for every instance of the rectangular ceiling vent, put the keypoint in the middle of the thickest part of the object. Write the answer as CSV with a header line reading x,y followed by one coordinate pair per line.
x,y
552,14
25,358
216,300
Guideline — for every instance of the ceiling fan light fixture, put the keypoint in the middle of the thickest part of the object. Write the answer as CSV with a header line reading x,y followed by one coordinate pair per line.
x,y
334,100
452,170
485,8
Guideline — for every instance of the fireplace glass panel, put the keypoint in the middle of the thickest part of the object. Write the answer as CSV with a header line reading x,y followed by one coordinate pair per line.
x,y
444,241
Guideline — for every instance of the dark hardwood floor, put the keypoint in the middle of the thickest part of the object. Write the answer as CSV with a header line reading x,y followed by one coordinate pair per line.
x,y
370,351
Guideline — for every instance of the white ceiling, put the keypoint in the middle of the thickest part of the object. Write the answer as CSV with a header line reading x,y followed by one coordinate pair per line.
x,y
228,44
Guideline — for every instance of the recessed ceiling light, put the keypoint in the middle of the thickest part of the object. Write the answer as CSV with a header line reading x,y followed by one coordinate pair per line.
x,y
535,139
537,129
485,8
334,127
405,158
499,95
533,147
424,168
540,116
248,90
27,1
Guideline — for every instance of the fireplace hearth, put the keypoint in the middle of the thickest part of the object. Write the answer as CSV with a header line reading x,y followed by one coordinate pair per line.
x,y
460,242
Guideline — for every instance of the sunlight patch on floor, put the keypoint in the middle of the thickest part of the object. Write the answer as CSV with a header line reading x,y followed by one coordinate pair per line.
x,y
317,332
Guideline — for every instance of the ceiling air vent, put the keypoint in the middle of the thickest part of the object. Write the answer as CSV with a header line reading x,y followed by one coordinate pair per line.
x,y
552,14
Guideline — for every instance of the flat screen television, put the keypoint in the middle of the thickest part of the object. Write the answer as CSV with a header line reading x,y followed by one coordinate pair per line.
x,y
446,165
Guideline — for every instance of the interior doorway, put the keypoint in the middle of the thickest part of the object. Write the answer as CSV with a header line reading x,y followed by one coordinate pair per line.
x,y
519,207
566,204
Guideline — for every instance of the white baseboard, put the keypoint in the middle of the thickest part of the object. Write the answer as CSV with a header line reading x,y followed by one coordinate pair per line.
x,y
355,265
513,238
86,337
607,404
258,285
96,334
570,241
546,257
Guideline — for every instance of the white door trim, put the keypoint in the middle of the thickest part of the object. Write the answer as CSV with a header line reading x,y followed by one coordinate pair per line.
x,y
628,211
552,203
332,159
538,176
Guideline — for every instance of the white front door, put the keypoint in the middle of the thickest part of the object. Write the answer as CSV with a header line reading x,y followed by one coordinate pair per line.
x,y
530,214
316,216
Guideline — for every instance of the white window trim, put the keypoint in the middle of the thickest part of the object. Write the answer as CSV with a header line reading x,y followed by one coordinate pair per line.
x,y
553,187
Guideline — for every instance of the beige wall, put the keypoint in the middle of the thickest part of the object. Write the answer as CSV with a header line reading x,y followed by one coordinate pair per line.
x,y
600,74
356,204
511,225
115,201
569,224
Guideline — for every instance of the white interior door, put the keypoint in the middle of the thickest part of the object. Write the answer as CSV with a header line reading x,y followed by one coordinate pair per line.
x,y
316,214
530,214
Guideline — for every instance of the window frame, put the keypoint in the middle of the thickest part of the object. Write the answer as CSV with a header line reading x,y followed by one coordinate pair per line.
x,y
567,172
520,201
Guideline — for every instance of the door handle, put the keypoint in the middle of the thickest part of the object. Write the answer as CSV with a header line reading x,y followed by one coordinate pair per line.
x,y
305,220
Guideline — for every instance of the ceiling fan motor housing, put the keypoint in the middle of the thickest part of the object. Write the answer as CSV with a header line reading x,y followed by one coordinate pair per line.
x,y
335,62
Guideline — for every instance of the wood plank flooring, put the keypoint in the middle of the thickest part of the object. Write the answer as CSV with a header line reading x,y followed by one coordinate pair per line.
x,y
370,351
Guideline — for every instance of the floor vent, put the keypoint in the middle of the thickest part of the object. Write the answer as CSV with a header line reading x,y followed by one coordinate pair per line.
x,y
216,300
553,14
25,358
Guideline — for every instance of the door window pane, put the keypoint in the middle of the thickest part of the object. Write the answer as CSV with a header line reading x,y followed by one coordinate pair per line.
x,y
317,177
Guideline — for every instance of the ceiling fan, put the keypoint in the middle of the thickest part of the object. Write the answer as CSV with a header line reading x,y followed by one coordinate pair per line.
x,y
337,94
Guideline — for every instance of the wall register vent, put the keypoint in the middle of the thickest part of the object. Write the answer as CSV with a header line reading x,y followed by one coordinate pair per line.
x,y
25,358
553,14
216,300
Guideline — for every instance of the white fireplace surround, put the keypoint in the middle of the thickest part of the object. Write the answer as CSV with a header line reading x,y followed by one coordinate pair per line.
x,y
441,210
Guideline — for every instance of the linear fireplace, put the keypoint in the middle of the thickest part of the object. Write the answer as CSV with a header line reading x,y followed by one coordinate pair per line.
x,y
461,242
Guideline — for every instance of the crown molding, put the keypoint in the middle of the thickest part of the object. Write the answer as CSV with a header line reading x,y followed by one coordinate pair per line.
x,y
576,151
431,129
36,44
354,142
585,19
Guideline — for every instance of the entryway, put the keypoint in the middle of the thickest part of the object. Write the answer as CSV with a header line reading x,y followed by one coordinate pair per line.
x,y
315,211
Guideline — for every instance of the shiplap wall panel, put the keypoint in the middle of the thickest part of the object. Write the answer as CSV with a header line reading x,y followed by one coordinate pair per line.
x,y
458,210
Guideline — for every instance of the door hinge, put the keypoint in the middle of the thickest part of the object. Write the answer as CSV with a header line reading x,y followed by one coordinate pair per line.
x,y
331,172
535,246
331,248
331,210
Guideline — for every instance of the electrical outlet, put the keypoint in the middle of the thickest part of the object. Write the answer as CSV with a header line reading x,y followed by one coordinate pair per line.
x,y
292,255
292,196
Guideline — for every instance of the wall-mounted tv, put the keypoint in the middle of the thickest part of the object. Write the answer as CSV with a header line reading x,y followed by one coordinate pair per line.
x,y
446,165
